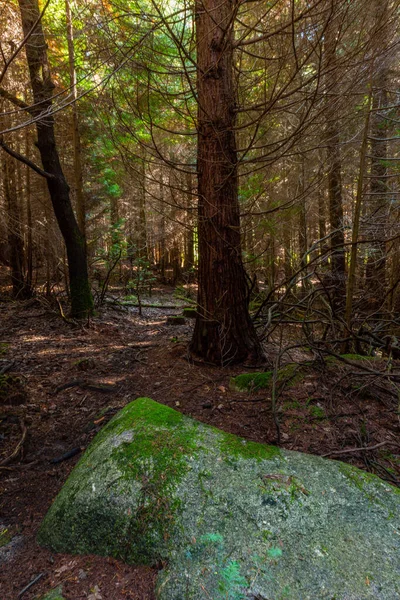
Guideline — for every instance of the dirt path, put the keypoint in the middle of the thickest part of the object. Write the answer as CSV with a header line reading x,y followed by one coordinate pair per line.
x,y
71,382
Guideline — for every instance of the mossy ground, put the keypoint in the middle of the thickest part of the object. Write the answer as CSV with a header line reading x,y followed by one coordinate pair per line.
x,y
289,375
3,348
55,594
5,537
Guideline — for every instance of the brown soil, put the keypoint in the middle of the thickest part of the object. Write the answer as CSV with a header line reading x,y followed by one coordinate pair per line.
x,y
117,358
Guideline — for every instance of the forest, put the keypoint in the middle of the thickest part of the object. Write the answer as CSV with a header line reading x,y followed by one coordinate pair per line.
x,y
199,204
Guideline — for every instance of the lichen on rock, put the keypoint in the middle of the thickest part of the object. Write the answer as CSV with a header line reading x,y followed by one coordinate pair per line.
x,y
226,517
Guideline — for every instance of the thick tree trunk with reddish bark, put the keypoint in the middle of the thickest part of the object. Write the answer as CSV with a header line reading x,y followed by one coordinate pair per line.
x,y
42,89
223,331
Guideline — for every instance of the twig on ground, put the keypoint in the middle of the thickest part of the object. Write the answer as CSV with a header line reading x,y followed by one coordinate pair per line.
x,y
7,367
362,449
18,447
86,385
32,583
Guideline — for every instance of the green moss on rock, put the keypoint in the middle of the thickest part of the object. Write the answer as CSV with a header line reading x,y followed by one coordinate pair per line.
x,y
227,518
233,446
144,430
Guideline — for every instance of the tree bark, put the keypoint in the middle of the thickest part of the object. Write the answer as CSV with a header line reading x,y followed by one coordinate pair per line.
x,y
335,196
80,197
224,332
378,203
42,89
15,240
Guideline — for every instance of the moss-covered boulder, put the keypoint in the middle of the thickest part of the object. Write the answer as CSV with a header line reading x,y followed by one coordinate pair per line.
x,y
228,519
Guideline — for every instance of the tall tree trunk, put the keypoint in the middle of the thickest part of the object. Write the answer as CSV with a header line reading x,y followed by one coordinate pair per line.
x,y
15,240
189,235
378,200
42,88
29,223
163,256
80,198
334,164
223,331
141,223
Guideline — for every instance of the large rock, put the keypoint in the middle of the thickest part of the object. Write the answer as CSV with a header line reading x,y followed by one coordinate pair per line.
x,y
226,518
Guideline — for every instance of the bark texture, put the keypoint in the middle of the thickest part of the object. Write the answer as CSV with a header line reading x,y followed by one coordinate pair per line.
x,y
223,332
42,90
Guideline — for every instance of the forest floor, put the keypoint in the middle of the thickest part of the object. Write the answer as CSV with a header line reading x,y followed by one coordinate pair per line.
x,y
65,383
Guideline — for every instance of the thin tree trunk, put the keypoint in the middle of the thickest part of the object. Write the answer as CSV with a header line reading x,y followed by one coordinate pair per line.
x,y
334,163
15,239
80,197
142,249
42,88
356,222
378,203
223,330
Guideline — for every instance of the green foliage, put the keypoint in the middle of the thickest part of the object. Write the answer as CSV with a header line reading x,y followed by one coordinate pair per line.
x,y
317,412
252,381
3,348
231,584
142,278
5,537
289,374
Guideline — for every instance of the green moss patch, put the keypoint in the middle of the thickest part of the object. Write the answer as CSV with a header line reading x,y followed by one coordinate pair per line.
x,y
251,381
4,348
5,537
217,511
289,375
233,446
55,594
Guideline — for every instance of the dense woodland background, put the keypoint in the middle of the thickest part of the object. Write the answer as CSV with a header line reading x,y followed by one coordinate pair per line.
x,y
187,186
251,146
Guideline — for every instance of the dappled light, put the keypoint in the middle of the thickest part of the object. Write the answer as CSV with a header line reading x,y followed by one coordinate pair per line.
x,y
199,299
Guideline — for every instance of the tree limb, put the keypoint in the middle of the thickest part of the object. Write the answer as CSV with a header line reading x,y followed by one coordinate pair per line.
x,y
25,160
14,100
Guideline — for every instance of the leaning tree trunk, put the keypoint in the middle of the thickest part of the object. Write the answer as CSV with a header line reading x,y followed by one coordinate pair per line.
x,y
223,331
42,89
